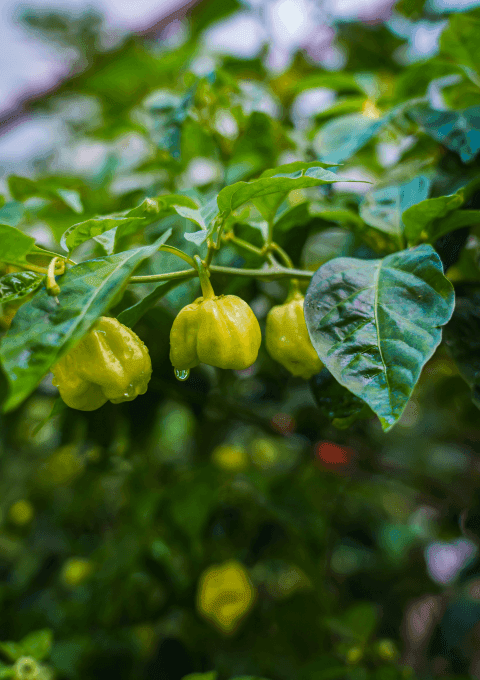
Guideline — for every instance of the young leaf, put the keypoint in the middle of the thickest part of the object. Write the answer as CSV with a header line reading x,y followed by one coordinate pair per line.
x,y
375,323
457,130
18,285
83,231
269,191
383,208
421,220
341,138
38,644
42,331
14,245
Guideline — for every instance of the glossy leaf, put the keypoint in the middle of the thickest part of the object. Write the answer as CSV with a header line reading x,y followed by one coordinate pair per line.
x,y
421,219
18,285
383,208
42,331
457,130
14,245
453,221
273,186
462,339
375,323
83,231
341,138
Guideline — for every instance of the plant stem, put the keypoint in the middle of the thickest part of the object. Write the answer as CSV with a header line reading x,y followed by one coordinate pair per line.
x,y
272,273
282,254
207,290
179,253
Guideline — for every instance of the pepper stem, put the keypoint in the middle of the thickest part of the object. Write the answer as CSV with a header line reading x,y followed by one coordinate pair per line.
x,y
293,290
207,290
51,285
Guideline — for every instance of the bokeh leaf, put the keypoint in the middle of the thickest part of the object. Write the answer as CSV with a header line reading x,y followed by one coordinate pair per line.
x,y
38,644
457,130
383,208
375,323
342,137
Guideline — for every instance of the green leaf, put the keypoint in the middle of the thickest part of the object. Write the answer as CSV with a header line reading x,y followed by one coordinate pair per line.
x,y
456,220
457,130
18,285
383,208
59,406
14,245
12,650
129,317
6,671
341,138
462,340
421,220
42,331
459,40
11,213
38,644
273,186
357,624
23,188
71,198
375,323
212,675
83,231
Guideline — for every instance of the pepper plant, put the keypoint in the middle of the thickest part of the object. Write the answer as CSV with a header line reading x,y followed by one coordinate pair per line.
x,y
227,260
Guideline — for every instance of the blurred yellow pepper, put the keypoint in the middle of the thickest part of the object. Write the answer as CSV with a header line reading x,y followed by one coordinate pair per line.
x,y
225,595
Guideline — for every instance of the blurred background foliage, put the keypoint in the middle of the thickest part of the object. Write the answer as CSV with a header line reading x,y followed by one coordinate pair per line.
x,y
245,524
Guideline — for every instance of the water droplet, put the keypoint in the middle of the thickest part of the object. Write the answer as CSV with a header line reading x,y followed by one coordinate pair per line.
x,y
182,375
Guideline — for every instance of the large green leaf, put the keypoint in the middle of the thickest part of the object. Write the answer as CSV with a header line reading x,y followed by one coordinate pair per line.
x,y
374,323
274,185
462,339
342,137
457,130
18,285
383,208
42,331
14,245
422,219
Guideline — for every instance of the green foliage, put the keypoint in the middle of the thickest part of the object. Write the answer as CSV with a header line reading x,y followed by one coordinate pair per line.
x,y
377,329
333,494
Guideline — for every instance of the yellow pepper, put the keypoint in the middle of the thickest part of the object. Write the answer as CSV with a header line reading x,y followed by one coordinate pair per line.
x,y
225,595
288,341
219,330
109,363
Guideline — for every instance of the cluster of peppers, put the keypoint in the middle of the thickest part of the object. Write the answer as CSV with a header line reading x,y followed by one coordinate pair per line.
x,y
112,363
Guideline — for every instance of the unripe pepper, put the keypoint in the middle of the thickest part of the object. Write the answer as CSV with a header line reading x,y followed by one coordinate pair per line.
x,y
109,363
287,338
219,330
